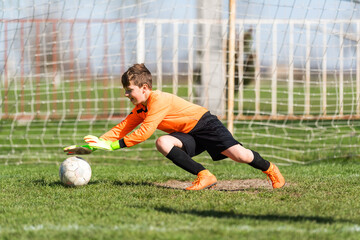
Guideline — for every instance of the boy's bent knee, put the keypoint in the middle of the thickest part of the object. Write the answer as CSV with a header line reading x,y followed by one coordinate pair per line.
x,y
160,142
165,143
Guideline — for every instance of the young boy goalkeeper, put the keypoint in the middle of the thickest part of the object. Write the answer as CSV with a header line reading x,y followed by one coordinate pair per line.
x,y
191,130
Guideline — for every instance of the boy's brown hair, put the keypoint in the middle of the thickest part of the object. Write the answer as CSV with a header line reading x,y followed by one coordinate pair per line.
x,y
138,74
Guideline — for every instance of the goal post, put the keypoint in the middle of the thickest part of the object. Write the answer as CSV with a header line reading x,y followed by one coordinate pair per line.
x,y
283,77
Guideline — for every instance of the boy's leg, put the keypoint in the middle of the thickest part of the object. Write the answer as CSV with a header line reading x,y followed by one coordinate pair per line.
x,y
171,147
240,154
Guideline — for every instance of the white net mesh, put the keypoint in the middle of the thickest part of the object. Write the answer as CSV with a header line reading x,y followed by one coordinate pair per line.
x,y
297,74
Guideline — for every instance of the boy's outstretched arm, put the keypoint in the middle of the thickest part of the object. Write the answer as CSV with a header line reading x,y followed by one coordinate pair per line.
x,y
79,150
98,143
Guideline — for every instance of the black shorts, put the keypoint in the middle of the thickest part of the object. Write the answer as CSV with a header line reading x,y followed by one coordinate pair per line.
x,y
209,135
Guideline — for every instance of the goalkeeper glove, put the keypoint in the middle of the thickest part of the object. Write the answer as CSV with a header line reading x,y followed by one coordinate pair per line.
x,y
79,150
99,143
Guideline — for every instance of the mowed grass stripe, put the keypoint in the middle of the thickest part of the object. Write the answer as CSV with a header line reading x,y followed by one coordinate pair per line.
x,y
355,228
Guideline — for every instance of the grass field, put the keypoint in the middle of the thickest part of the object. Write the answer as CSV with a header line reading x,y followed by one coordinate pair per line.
x,y
124,199
301,141
92,97
60,108
320,201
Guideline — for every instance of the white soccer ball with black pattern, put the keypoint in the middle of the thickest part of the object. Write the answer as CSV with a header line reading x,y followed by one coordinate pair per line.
x,y
75,171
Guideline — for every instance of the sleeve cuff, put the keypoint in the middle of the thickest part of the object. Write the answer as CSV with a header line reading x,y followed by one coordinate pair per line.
x,y
122,143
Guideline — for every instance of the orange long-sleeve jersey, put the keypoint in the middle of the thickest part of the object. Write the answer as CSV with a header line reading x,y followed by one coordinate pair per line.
x,y
164,111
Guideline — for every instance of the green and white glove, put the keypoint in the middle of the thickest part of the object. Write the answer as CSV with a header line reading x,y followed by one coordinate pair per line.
x,y
79,150
102,144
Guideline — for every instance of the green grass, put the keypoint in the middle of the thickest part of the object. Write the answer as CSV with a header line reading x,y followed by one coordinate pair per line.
x,y
332,101
69,98
96,97
303,141
42,139
321,201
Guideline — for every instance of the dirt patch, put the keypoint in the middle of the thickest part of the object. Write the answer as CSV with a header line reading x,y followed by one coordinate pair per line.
x,y
225,185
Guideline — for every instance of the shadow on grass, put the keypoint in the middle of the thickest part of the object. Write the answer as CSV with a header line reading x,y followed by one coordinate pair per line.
x,y
44,183
226,186
267,217
131,183
247,185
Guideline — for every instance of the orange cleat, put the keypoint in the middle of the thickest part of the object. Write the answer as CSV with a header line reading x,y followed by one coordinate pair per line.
x,y
204,180
275,176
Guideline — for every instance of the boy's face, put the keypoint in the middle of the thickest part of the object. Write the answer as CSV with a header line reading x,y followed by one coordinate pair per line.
x,y
137,95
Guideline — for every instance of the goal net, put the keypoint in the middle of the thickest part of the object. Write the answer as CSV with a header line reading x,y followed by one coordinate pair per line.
x,y
293,95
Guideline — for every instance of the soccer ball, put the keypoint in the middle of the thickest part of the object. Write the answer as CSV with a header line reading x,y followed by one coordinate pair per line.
x,y
75,171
